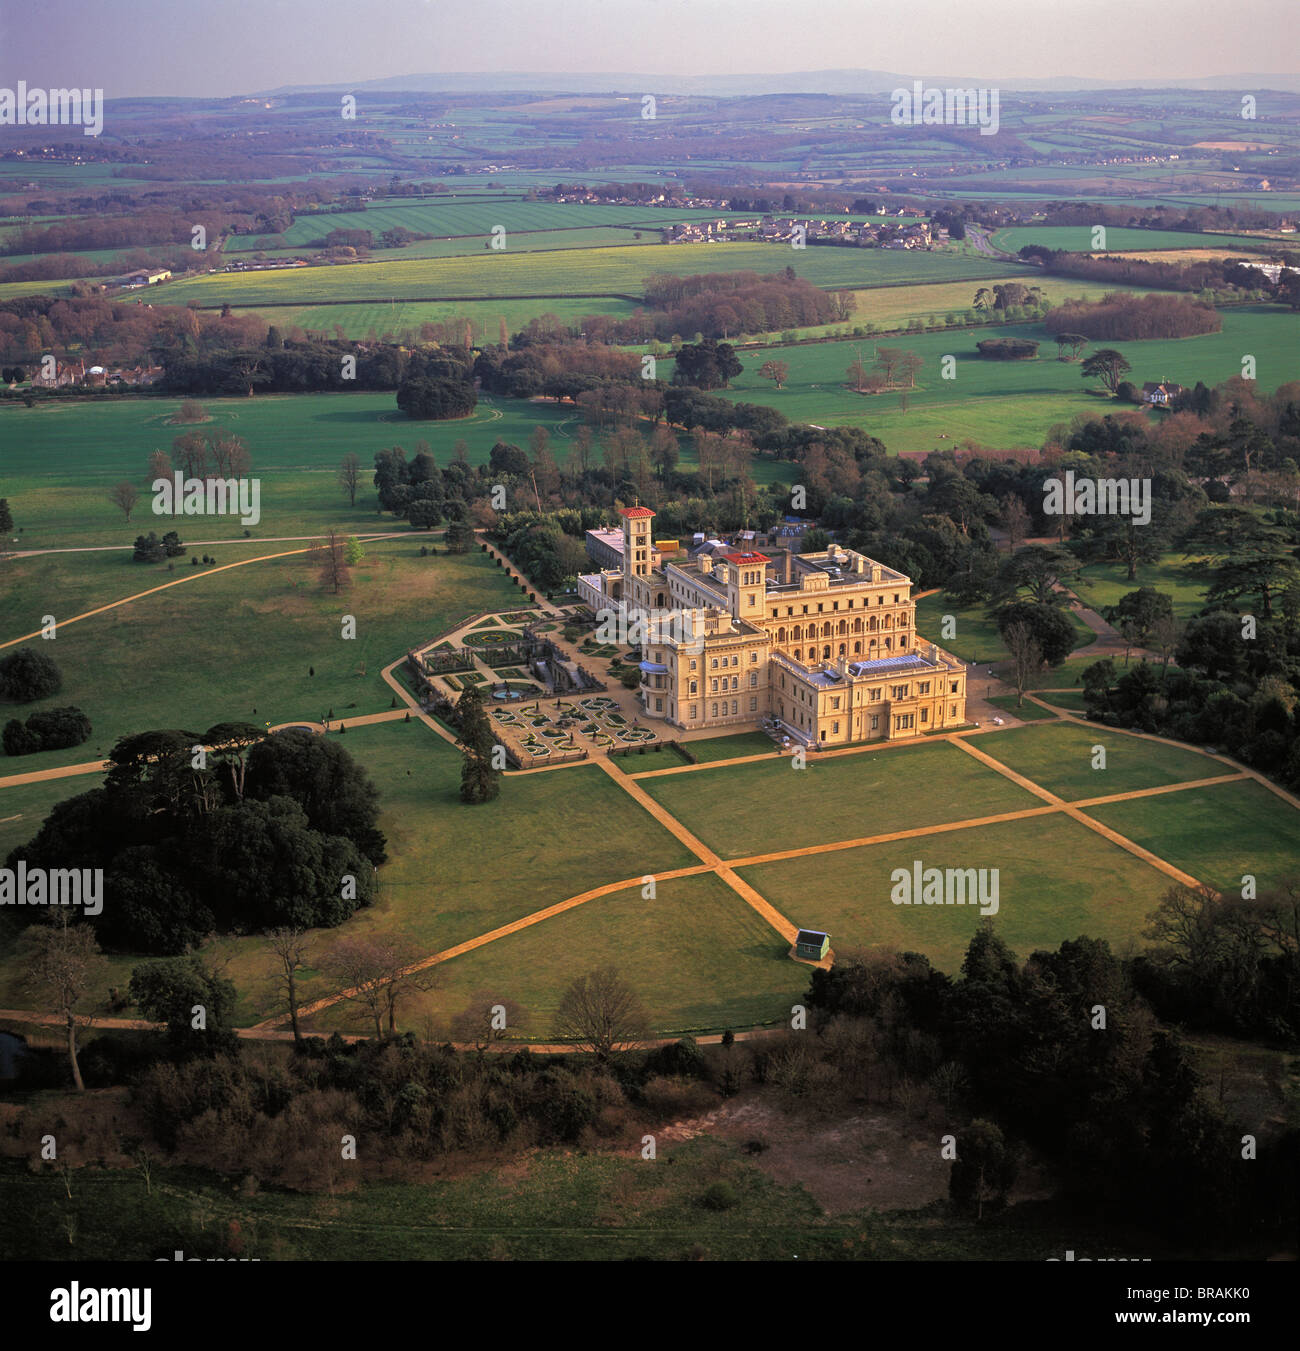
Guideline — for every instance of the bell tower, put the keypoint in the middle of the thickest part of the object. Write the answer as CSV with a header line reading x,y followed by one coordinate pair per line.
x,y
637,547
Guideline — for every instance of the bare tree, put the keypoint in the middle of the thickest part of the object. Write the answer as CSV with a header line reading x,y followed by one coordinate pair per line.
x,y
350,477
601,1013
66,964
1166,633
776,371
1026,657
486,1020
290,949
160,466
1014,519
909,364
377,973
125,495
331,562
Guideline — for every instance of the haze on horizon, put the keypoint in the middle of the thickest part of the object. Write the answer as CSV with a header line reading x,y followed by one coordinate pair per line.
x,y
229,47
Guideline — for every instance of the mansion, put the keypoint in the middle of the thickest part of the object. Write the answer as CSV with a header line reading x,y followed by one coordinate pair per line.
x,y
825,644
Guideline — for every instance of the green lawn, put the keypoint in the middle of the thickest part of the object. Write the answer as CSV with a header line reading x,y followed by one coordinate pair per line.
x,y
1026,711
455,871
1217,833
699,957
731,747
1059,758
760,807
1102,584
975,633
1056,880
1069,699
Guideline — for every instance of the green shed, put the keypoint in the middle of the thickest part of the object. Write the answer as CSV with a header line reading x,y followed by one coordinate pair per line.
x,y
811,946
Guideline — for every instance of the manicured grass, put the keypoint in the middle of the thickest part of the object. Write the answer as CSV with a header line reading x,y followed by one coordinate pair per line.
x,y
1056,880
699,957
1026,712
1059,758
455,871
1071,699
759,807
659,757
731,747
1070,672
240,645
1217,833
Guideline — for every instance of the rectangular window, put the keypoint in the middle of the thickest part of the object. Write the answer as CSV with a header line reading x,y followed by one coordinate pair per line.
x,y
925,715
659,705
875,722
753,680
753,705
835,728
954,710
713,686
735,705
713,710
695,711
714,664
954,687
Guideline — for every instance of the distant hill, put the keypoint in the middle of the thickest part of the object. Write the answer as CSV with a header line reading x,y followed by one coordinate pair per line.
x,y
795,82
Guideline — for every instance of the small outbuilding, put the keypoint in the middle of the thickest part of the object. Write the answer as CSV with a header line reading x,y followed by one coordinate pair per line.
x,y
810,945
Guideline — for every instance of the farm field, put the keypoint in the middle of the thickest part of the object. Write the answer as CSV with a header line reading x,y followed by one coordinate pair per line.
x,y
1004,403
450,219
1057,880
579,272
404,318
1078,239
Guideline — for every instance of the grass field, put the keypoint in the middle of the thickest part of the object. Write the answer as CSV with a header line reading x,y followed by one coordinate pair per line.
x,y
975,635
239,644
62,457
756,808
698,956
1218,833
1060,759
1024,711
1102,584
1057,880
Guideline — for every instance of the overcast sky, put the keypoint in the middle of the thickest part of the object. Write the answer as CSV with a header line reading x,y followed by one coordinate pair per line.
x,y
217,47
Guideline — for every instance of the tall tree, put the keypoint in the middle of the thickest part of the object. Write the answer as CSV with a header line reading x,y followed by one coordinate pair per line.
x,y
290,950
350,477
601,1013
66,966
124,495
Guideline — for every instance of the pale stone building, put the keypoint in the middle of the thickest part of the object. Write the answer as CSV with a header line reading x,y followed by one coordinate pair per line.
x,y
825,644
